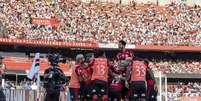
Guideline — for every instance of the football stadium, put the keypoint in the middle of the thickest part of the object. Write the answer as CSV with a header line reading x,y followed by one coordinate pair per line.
x,y
100,50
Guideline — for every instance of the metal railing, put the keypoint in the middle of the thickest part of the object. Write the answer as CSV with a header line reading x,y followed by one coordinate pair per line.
x,y
27,95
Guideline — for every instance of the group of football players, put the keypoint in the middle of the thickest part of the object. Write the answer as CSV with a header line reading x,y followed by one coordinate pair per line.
x,y
97,78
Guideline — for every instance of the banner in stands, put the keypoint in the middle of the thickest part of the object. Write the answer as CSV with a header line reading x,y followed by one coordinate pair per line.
x,y
146,1
49,43
160,2
109,45
92,45
114,45
44,21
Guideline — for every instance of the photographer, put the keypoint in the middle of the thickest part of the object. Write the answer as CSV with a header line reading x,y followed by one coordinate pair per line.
x,y
54,79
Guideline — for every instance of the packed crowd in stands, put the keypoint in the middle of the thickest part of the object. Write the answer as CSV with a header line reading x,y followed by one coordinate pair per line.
x,y
171,66
176,66
182,89
144,24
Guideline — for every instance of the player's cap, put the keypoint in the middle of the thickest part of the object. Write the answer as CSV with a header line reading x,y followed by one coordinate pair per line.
x,y
122,42
79,57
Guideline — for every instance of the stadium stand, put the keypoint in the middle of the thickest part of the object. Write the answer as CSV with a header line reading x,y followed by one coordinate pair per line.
x,y
24,64
140,24
190,89
176,66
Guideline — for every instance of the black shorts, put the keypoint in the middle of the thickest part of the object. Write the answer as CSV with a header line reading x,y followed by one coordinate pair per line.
x,y
85,91
51,96
114,93
74,93
124,92
138,89
151,93
100,88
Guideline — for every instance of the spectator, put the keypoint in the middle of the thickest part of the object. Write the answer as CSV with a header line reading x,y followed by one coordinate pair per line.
x,y
181,89
176,66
